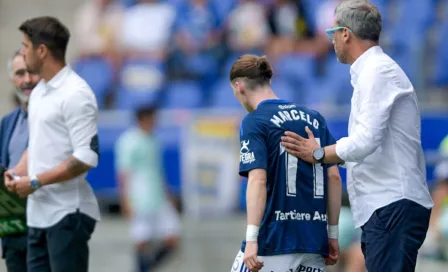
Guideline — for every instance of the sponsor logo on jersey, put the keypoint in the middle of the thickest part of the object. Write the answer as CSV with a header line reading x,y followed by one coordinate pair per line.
x,y
303,268
294,215
246,156
285,107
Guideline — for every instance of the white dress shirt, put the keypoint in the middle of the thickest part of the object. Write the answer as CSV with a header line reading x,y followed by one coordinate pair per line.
x,y
63,117
383,152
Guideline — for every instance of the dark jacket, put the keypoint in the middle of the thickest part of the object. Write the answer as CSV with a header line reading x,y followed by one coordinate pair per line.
x,y
7,126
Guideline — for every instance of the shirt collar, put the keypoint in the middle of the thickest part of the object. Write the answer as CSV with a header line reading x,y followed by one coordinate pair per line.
x,y
57,80
356,67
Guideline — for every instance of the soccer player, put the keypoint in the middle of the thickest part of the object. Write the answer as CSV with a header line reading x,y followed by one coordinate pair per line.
x,y
287,215
144,199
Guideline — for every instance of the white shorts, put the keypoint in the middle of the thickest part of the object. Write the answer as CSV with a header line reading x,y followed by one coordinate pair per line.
x,y
299,262
160,225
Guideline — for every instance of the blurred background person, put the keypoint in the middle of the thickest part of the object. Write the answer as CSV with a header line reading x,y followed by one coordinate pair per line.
x,y
146,29
247,27
96,29
13,143
145,200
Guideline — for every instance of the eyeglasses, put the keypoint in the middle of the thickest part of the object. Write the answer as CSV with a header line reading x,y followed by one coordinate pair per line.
x,y
330,31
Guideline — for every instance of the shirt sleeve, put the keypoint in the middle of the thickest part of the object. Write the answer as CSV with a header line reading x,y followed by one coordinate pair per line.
x,y
327,138
253,147
378,92
81,115
123,155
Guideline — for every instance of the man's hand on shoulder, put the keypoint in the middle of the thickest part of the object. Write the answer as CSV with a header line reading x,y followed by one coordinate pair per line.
x,y
299,146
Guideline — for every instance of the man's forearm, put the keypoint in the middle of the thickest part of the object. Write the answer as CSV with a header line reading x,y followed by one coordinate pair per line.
x,y
255,201
67,170
330,155
334,195
21,168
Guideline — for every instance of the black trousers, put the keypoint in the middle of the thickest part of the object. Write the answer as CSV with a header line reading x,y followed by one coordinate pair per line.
x,y
393,235
62,247
14,252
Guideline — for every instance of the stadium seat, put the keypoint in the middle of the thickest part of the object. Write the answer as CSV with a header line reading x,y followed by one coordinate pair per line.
x,y
141,81
183,94
223,8
222,95
297,69
98,73
283,89
440,78
334,87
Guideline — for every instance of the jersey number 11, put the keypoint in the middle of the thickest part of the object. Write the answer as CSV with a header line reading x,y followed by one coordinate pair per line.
x,y
291,164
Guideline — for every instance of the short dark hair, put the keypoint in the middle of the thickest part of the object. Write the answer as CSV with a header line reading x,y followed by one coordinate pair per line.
x,y
145,111
48,31
255,70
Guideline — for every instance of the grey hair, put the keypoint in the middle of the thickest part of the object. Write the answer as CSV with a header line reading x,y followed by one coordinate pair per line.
x,y
10,61
362,17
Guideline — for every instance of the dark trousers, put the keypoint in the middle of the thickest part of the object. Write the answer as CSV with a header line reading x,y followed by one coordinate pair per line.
x,y
14,252
62,247
393,235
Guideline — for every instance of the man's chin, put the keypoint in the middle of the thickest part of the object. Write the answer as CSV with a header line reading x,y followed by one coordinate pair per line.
x,y
27,92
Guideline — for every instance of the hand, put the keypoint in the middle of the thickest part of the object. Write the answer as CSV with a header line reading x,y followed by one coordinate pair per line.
x,y
334,252
250,257
23,188
300,147
9,181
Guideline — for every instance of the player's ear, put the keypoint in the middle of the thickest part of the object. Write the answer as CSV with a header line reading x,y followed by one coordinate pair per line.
x,y
239,86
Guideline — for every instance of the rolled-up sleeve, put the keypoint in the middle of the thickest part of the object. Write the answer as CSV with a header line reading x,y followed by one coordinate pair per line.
x,y
81,115
378,91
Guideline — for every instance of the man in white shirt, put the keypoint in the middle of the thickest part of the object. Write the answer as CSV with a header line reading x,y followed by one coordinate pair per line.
x,y
63,145
386,175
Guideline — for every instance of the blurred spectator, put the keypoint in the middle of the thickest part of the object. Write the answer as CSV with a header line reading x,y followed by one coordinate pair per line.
x,y
290,30
436,243
197,37
325,20
247,27
145,200
96,25
147,29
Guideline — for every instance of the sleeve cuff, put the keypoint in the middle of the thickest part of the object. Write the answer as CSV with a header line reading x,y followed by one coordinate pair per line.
x,y
87,156
342,148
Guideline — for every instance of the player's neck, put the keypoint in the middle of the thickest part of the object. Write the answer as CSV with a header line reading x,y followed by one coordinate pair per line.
x,y
51,70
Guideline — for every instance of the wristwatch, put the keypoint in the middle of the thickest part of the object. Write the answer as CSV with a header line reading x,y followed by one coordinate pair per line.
x,y
34,183
319,154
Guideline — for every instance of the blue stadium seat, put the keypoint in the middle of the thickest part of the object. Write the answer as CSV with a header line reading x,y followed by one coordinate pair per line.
x,y
202,64
141,81
440,78
297,69
334,87
98,73
283,89
183,94
222,95
223,8
128,3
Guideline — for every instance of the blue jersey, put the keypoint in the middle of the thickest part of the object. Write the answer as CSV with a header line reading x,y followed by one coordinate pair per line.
x,y
295,219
